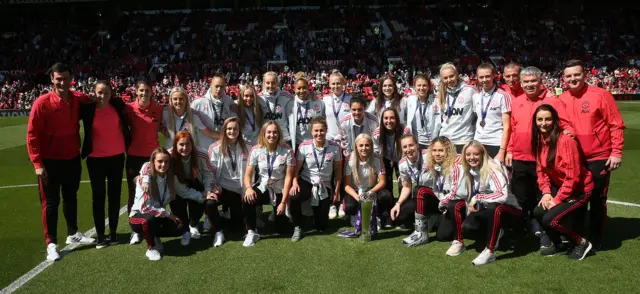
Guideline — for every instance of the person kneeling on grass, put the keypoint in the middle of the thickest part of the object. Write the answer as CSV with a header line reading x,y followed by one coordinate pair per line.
x,y
492,205
148,215
561,169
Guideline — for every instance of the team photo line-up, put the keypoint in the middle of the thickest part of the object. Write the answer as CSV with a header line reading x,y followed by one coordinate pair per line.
x,y
469,163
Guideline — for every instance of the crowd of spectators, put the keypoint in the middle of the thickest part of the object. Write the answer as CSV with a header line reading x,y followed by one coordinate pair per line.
x,y
172,48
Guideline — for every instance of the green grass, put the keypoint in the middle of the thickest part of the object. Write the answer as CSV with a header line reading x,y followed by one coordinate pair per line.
x,y
319,263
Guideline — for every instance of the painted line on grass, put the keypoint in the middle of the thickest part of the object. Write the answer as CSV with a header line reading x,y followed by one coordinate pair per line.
x,y
45,264
35,185
623,203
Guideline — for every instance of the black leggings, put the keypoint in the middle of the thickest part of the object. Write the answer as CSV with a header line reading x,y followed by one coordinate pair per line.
x,y
133,166
150,227
598,201
490,220
450,226
229,199
249,210
563,218
320,212
391,179
524,185
195,208
492,150
351,206
109,168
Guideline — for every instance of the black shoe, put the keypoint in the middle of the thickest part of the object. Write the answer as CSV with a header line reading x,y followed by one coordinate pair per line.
x,y
554,250
545,241
388,223
580,251
101,242
113,239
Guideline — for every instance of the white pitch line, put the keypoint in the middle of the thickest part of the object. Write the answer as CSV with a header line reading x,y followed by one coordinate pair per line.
x,y
35,185
623,203
45,264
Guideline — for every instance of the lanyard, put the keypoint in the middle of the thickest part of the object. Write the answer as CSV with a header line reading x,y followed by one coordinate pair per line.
x,y
275,107
300,111
184,120
337,112
270,161
232,158
483,111
391,147
440,182
215,112
450,107
252,123
476,189
161,198
415,175
423,111
315,156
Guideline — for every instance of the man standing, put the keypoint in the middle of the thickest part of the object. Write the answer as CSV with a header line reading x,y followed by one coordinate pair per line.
x,y
511,76
53,143
600,130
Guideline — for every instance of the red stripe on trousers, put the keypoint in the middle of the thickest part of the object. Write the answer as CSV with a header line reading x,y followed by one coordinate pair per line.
x,y
145,229
43,202
420,201
555,223
458,219
495,232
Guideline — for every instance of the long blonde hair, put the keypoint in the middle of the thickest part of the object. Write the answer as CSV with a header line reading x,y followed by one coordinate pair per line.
x,y
449,158
442,88
262,140
153,175
355,161
257,112
172,113
486,165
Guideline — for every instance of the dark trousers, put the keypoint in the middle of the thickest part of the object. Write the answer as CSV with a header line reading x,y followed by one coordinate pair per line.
x,y
109,169
351,206
194,208
391,179
228,199
150,227
563,218
133,166
492,150
450,226
249,210
459,148
320,212
423,201
490,219
62,176
524,184
598,201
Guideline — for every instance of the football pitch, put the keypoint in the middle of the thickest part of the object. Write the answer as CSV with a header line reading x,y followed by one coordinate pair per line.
x,y
318,263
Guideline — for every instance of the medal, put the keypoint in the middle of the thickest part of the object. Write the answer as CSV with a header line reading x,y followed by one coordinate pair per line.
x,y
483,111
270,162
482,123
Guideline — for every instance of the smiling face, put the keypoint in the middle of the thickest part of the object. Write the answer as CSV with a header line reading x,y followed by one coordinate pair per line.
x,y
422,87
357,111
247,97
161,163
574,78
531,85
363,147
389,119
544,122
485,78
103,94
336,84
184,147
270,84
179,102
319,133
232,131
438,152
511,76
473,156
143,93
409,148
272,135
388,88
302,89
449,77
61,82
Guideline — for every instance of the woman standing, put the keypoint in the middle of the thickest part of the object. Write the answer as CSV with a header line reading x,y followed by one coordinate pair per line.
x,y
565,182
149,217
387,97
320,159
456,101
179,116
275,163
492,206
250,114
228,158
423,112
144,116
305,107
106,137
278,104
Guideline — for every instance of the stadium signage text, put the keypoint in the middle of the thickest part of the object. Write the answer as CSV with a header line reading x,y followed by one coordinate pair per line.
x,y
7,113
328,62
13,72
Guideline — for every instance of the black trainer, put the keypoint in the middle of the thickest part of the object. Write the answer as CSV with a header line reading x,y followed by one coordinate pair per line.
x,y
554,250
113,239
580,251
388,223
101,242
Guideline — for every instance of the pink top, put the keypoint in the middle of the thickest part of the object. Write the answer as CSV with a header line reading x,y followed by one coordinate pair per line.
x,y
107,135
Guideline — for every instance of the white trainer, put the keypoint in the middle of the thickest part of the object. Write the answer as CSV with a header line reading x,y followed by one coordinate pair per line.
x,y
135,238
52,252
158,244
79,238
195,232
333,212
251,238
186,239
206,226
456,248
153,254
485,257
341,211
218,239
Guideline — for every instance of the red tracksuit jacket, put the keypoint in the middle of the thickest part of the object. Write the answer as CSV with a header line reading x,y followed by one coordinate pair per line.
x,y
522,109
597,122
53,128
569,172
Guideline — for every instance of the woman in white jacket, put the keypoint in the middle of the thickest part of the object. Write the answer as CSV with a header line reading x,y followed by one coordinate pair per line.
x,y
178,116
456,102
228,158
423,112
149,217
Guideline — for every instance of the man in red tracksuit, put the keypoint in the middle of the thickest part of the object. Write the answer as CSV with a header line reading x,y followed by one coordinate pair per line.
x,y
519,155
600,130
53,143
511,76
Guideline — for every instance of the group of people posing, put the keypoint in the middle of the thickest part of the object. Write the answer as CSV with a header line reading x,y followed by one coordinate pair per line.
x,y
469,162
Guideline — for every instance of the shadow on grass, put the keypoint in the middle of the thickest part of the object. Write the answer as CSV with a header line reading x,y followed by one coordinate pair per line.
x,y
618,230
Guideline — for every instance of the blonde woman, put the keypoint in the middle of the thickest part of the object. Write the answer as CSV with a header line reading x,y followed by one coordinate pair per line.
x,y
492,206
275,164
277,103
149,217
250,114
178,116
364,177
456,101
